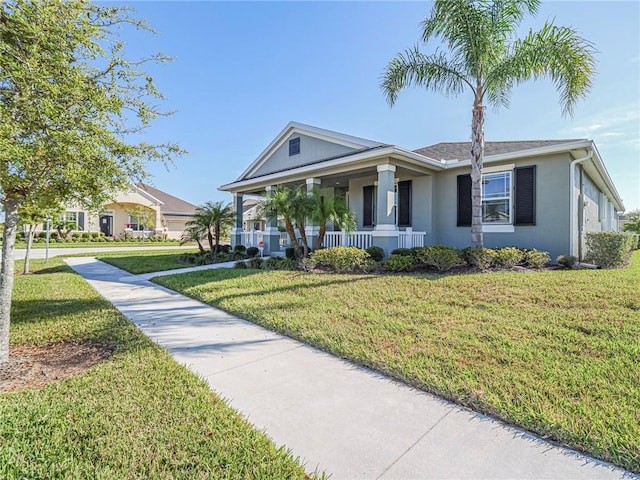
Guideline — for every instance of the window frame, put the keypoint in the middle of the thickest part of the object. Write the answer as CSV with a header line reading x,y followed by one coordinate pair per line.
x,y
500,171
76,220
294,146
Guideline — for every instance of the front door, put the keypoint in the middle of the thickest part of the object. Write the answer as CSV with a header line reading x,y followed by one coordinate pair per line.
x,y
106,225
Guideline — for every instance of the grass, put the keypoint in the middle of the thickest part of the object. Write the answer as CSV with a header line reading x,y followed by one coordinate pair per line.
x,y
137,415
554,352
54,244
145,262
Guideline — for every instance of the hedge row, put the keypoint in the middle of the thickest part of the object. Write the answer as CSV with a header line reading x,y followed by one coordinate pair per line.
x,y
609,249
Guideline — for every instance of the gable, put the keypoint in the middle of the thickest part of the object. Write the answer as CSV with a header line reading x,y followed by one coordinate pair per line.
x,y
311,150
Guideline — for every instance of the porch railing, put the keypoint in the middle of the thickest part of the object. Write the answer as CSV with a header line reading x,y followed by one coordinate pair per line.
x,y
353,239
410,239
251,238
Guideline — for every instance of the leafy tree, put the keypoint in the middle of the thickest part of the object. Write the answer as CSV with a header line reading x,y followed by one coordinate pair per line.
x,y
193,233
632,223
486,59
30,216
212,220
71,105
334,210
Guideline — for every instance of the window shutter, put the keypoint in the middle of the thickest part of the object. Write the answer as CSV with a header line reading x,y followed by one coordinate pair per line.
x,y
368,211
464,200
525,195
80,220
404,204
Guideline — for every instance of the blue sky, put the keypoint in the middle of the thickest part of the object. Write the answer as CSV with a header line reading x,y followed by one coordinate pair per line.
x,y
242,70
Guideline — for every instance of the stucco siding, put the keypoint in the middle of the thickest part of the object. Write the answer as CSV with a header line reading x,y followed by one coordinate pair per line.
x,y
311,150
356,198
551,232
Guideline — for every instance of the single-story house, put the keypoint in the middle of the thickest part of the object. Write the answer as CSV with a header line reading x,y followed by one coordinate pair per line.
x,y
167,214
544,194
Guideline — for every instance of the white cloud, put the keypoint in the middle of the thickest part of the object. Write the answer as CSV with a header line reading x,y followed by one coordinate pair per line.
x,y
618,126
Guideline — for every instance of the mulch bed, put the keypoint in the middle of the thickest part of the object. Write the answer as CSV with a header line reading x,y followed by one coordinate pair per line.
x,y
38,366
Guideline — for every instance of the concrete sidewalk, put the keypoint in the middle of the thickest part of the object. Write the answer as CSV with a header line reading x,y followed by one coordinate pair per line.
x,y
339,418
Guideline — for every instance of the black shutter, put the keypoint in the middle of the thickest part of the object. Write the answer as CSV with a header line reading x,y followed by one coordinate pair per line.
x,y
404,204
525,195
80,220
368,211
464,200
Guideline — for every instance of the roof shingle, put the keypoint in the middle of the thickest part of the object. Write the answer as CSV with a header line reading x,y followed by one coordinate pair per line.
x,y
462,150
171,204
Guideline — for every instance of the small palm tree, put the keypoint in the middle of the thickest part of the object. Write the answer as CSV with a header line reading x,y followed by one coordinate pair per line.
x,y
281,202
211,221
486,59
302,207
193,233
334,210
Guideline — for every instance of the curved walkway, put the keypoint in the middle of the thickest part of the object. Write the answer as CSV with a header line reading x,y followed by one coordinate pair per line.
x,y
339,418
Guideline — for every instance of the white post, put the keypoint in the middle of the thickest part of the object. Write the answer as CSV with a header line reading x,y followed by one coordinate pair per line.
x,y
409,232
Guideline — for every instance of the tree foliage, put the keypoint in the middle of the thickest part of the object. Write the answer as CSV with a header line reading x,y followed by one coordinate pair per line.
x,y
632,223
485,58
71,105
211,221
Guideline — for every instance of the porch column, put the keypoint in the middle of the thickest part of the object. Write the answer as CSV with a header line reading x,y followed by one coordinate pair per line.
x,y
159,229
312,229
271,235
236,231
385,234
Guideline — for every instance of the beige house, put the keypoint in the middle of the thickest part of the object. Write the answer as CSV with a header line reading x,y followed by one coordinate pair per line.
x,y
141,210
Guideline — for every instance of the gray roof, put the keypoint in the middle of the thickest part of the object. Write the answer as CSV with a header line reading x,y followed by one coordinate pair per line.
x,y
171,204
462,150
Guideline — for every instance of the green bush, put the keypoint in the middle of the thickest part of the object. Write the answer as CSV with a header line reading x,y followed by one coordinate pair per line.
x,y
279,263
567,261
42,235
609,249
399,263
440,257
225,248
255,262
482,258
75,235
339,259
290,253
407,252
95,235
85,236
253,251
536,259
376,253
240,265
508,257
240,248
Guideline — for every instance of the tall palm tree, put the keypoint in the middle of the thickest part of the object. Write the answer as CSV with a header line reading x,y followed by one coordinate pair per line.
x,y
211,220
334,210
281,202
486,58
193,233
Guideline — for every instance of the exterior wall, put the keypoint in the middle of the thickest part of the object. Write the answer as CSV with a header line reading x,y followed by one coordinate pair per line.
x,y
175,228
551,232
311,150
356,199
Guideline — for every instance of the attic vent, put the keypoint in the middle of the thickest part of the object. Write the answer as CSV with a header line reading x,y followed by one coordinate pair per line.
x,y
294,146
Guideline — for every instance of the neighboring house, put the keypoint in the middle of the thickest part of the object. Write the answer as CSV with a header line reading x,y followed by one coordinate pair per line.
x,y
544,194
251,218
167,219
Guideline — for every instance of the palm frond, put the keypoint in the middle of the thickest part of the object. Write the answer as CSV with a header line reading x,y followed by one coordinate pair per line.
x,y
436,72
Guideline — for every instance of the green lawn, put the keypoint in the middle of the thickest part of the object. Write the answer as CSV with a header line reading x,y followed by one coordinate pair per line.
x,y
42,245
145,261
137,415
555,352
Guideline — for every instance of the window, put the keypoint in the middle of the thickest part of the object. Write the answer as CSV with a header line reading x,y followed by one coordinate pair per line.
x,y
369,206
75,217
134,225
496,197
404,204
503,192
294,146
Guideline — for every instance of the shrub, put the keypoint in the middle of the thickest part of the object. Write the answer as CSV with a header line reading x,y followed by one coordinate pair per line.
x,y
482,258
53,235
240,248
567,261
95,235
440,257
406,252
225,248
42,235
253,251
399,263
85,236
240,265
608,249
536,259
290,253
75,235
339,259
255,262
272,263
376,253
508,257
237,255
288,264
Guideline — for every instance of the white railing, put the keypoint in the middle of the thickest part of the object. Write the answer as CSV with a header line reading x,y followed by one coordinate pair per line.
x,y
284,240
353,239
251,238
410,239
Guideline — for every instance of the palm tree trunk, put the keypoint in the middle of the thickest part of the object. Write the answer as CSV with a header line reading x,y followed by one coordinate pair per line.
x,y
217,237
200,247
477,155
210,239
303,236
320,240
6,275
292,237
